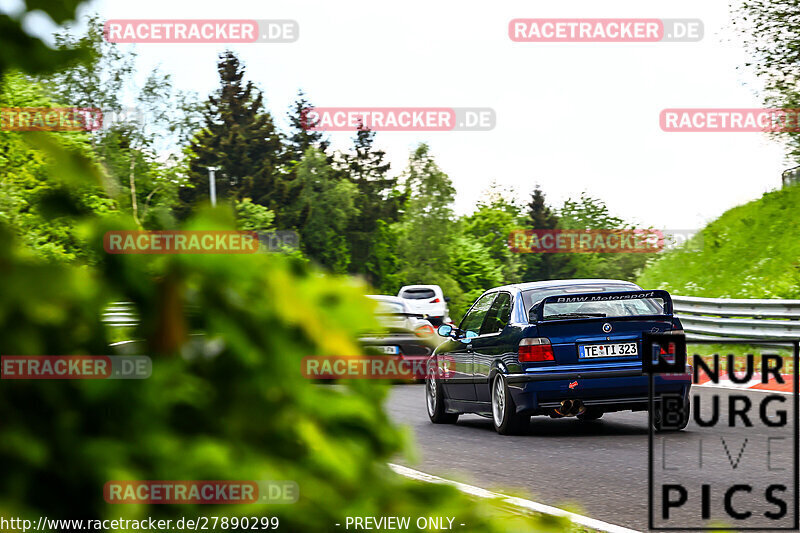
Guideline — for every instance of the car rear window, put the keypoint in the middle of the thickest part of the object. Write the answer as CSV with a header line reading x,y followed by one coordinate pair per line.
x,y
632,307
418,294
612,308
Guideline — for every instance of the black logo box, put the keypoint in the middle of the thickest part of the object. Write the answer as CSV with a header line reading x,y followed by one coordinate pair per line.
x,y
676,363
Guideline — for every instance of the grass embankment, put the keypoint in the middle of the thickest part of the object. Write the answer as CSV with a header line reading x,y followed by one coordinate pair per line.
x,y
751,251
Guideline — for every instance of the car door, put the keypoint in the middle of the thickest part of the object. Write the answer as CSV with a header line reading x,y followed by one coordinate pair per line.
x,y
460,384
490,343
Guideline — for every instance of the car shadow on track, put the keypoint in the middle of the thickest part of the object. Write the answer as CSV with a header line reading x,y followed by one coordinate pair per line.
x,y
567,427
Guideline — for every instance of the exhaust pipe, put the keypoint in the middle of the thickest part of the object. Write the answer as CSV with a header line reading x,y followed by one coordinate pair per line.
x,y
577,408
570,408
564,410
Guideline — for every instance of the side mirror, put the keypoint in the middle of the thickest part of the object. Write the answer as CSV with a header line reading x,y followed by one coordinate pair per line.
x,y
447,299
468,336
445,330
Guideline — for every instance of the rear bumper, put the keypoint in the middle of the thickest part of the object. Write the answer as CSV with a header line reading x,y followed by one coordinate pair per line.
x,y
409,345
555,376
611,390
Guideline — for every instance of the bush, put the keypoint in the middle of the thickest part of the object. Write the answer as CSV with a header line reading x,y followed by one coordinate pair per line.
x,y
233,405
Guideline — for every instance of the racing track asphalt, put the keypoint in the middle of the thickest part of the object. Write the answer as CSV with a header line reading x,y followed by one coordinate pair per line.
x,y
598,468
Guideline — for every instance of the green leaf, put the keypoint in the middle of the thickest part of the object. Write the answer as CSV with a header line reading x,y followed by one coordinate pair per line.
x,y
59,10
19,50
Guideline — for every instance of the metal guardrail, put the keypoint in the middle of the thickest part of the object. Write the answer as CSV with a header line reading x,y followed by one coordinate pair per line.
x,y
722,318
790,177
120,314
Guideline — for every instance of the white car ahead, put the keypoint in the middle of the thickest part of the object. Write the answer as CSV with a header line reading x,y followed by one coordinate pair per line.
x,y
426,300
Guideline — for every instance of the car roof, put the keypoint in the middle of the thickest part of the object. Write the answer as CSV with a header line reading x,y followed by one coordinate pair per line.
x,y
404,287
565,283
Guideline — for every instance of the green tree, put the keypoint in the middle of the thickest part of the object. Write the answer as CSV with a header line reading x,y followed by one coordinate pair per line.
x,y
239,138
770,30
383,263
253,217
128,149
432,248
540,216
100,78
129,141
475,270
427,229
377,200
490,226
300,138
323,207
587,212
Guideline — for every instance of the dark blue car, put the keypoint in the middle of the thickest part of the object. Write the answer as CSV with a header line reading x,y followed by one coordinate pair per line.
x,y
559,348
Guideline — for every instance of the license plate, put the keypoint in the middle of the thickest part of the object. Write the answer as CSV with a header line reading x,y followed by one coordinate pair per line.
x,y
621,349
391,350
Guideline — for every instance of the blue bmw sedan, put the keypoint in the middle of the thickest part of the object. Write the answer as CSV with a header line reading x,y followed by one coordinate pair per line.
x,y
560,348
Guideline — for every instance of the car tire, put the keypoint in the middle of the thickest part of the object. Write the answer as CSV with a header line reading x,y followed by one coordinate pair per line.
x,y
505,419
434,400
591,414
658,423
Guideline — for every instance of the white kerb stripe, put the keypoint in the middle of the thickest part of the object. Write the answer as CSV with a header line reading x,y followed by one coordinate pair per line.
x,y
510,500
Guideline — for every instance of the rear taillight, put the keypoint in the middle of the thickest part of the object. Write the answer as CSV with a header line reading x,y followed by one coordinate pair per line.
x,y
535,350
670,350
424,331
435,301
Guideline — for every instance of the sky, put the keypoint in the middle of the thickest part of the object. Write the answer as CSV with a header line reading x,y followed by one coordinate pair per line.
x,y
571,117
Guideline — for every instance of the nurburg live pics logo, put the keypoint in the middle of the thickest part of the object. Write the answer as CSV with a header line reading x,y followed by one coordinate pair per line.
x,y
736,466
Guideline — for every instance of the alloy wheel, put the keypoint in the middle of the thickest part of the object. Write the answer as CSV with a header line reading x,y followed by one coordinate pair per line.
x,y
498,401
430,393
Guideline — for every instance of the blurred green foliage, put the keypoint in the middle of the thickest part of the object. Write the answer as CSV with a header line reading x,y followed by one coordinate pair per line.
x,y
44,198
231,404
